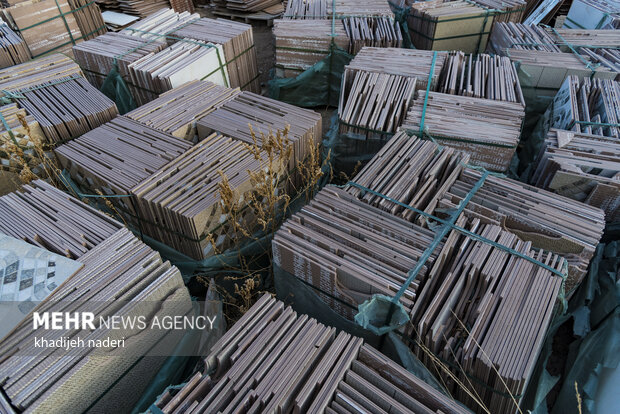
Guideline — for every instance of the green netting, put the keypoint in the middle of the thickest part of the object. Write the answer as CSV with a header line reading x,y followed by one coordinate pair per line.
x,y
319,85
115,88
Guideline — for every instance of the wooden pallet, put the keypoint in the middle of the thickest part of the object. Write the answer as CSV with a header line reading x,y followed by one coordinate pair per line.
x,y
260,16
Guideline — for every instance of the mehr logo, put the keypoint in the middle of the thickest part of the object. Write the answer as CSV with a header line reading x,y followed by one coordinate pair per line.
x,y
63,320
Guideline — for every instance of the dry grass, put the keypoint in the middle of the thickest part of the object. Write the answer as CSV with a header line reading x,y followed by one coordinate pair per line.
x,y
257,214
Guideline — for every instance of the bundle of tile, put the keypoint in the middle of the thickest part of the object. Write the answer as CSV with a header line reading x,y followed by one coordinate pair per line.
x,y
181,201
373,104
45,69
66,108
371,31
57,24
142,8
117,156
247,6
416,173
481,76
97,57
505,10
306,32
583,167
21,143
454,25
295,364
486,129
175,65
164,21
237,41
486,312
121,279
545,57
591,106
248,116
48,218
403,62
352,251
175,112
593,14
301,44
13,49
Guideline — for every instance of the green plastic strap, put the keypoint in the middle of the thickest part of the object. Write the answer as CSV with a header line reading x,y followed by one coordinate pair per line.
x,y
461,230
455,19
299,49
587,63
448,37
9,130
64,20
446,228
428,88
588,123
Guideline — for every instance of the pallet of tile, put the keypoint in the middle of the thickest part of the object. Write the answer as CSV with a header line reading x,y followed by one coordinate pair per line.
x,y
486,129
248,114
505,11
21,143
373,105
480,76
117,156
97,57
66,108
57,25
419,174
583,167
304,9
301,44
351,250
591,106
164,21
403,62
593,14
371,31
142,8
237,42
324,371
45,69
175,65
13,49
122,279
248,6
454,25
181,201
48,218
176,111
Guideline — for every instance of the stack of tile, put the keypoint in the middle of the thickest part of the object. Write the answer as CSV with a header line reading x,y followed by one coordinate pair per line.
x,y
247,110
98,56
21,142
454,25
45,69
176,112
545,58
295,364
373,104
142,8
486,312
66,108
301,44
237,41
54,25
414,173
593,14
181,201
505,10
591,106
248,6
53,220
122,280
486,129
304,36
404,62
117,156
583,167
13,49
164,21
179,63
352,251
481,76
